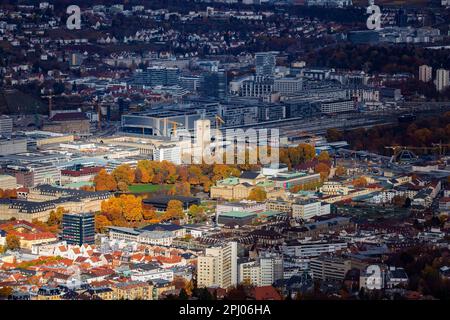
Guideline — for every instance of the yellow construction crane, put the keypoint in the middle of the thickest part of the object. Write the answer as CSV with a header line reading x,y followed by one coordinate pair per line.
x,y
174,125
219,121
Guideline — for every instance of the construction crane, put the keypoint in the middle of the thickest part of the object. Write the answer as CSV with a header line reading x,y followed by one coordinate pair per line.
x,y
219,121
174,125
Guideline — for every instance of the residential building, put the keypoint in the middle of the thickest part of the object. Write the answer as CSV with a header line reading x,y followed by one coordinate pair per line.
x,y
425,73
263,271
442,79
218,266
329,267
132,290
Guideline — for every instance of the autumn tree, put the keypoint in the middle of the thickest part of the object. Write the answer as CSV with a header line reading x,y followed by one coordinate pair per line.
x,y
12,242
127,206
150,213
174,210
124,173
360,182
5,292
341,171
323,169
181,189
55,217
122,186
334,135
196,212
323,157
101,223
257,194
103,181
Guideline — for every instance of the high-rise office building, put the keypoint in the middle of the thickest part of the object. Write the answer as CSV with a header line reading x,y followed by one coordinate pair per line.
x,y
78,228
218,266
214,84
6,126
265,63
425,73
157,76
442,79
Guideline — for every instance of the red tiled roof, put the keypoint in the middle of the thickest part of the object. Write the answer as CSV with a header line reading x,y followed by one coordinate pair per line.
x,y
266,293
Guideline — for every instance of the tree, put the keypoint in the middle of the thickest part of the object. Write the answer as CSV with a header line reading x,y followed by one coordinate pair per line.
x,y
323,156
5,292
124,173
334,135
132,207
257,194
122,186
341,171
149,213
360,182
323,169
196,212
126,207
12,242
101,223
174,210
55,217
181,189
104,181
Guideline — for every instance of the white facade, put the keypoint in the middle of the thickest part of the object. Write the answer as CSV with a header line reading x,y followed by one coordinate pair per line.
x,y
218,266
168,153
262,272
152,275
442,79
425,73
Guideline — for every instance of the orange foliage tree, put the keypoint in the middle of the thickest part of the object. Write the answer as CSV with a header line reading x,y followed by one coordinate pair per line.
x,y
257,194
104,181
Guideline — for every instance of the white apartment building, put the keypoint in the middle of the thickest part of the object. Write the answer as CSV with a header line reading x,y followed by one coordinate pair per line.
x,y
425,73
218,266
442,79
267,269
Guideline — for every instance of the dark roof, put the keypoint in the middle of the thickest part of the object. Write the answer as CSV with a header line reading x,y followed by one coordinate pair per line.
x,y
161,227
69,116
165,199
249,175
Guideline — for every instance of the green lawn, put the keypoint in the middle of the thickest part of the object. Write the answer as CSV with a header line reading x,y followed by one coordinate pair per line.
x,y
141,188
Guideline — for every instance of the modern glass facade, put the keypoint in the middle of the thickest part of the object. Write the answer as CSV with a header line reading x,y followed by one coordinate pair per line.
x,y
78,228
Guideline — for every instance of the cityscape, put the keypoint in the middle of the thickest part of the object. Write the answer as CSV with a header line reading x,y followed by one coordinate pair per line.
x,y
252,150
